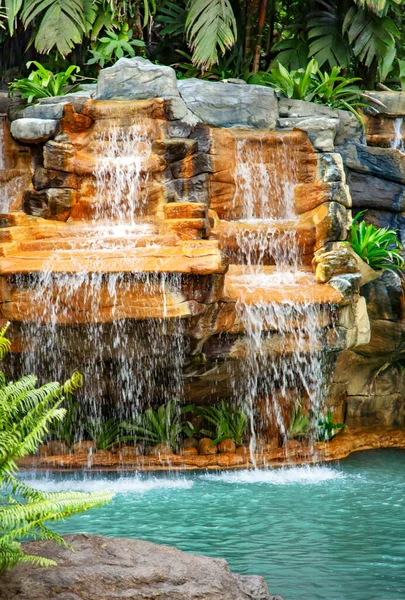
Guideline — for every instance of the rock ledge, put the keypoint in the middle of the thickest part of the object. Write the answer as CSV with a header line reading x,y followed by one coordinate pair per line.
x,y
103,568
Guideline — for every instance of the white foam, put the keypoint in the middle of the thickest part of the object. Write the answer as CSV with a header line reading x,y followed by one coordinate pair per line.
x,y
302,475
123,485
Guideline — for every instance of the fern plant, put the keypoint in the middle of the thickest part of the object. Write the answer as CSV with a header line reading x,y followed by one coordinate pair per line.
x,y
26,411
379,247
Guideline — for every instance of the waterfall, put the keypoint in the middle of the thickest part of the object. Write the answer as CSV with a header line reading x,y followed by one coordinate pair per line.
x,y
398,142
82,322
2,149
283,360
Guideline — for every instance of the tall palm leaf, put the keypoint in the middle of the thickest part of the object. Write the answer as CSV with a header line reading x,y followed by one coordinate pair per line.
x,y
372,38
62,23
211,28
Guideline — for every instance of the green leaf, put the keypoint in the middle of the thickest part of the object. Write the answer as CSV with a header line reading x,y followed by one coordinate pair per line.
x,y
211,28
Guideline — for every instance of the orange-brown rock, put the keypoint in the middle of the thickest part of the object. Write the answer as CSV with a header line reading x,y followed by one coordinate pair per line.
x,y
84,446
55,447
160,450
128,451
226,446
187,452
205,446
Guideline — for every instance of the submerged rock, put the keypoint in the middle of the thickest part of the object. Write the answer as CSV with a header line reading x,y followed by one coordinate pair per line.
x,y
103,568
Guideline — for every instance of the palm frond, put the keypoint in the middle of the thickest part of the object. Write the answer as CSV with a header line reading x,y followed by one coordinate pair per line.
x,y
211,29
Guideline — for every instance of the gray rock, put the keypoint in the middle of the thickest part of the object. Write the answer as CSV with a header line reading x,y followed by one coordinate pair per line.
x,y
136,79
66,98
103,568
33,131
42,111
346,285
349,128
52,203
230,105
368,191
193,189
299,109
387,163
384,297
321,130
394,103
330,167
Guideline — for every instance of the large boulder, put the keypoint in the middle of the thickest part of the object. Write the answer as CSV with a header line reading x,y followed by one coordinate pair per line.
x,y
230,104
136,79
103,568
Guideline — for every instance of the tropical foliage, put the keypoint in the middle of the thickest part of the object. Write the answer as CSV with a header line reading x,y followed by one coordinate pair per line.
x,y
161,426
327,429
42,83
215,38
26,411
225,422
299,423
378,247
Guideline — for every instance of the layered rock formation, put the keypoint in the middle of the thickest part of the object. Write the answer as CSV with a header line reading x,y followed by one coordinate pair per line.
x,y
169,227
103,568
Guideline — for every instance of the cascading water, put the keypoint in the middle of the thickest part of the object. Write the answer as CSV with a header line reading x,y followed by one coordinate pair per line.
x,y
284,362
398,142
127,364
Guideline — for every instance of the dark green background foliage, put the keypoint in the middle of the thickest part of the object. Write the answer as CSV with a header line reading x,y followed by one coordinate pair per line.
x,y
214,39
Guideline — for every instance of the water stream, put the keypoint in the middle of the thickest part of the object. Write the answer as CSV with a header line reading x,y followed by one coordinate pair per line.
x,y
398,141
285,366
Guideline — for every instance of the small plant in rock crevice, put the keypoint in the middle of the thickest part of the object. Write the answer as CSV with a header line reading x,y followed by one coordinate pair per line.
x,y
378,247
42,83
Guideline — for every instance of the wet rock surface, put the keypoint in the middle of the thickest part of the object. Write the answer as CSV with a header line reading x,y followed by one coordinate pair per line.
x,y
102,568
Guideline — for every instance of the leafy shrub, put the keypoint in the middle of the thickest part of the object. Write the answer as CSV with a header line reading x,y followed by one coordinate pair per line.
x,y
380,248
327,429
299,423
114,45
25,415
229,423
311,85
161,426
43,83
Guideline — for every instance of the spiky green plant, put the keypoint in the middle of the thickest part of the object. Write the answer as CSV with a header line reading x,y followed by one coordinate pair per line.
x,y
104,433
161,426
378,247
26,412
299,423
228,422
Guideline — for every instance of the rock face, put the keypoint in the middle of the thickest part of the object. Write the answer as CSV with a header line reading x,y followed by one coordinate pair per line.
x,y
230,104
136,79
198,153
103,568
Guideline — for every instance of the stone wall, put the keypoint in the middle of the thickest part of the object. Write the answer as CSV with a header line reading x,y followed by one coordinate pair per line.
x,y
194,127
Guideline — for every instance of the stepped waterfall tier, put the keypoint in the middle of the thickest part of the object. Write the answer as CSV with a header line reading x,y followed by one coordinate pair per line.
x,y
186,250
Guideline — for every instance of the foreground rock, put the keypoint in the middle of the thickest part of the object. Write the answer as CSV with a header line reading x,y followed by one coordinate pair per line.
x,y
103,568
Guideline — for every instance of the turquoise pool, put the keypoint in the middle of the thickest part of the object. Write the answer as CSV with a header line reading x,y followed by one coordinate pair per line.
x,y
328,533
